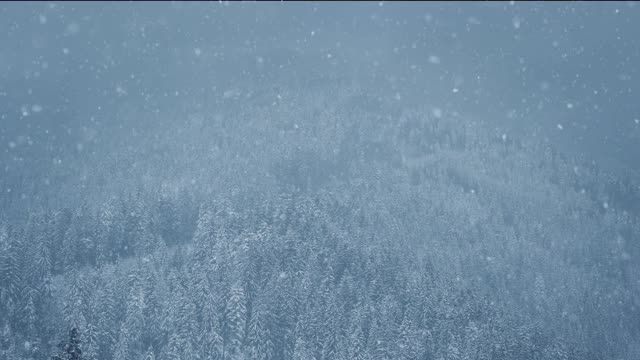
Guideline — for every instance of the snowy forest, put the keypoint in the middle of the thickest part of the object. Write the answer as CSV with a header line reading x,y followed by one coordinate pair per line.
x,y
428,181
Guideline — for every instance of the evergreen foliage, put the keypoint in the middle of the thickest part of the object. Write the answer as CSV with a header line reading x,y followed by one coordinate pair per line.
x,y
435,251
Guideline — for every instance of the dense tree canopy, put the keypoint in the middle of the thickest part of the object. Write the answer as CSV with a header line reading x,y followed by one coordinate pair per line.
x,y
394,235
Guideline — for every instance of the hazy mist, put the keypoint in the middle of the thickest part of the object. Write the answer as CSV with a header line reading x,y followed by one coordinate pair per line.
x,y
309,180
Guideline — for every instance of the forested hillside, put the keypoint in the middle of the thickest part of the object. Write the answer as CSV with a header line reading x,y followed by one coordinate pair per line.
x,y
325,224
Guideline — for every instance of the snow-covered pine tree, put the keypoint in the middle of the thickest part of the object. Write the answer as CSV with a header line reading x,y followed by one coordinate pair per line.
x,y
236,318
70,349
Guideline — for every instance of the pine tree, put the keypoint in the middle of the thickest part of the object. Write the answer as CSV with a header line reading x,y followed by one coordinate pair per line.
x,y
174,348
149,354
133,326
205,228
259,337
29,310
105,312
91,348
210,338
10,274
70,350
8,343
122,346
407,340
357,342
301,350
236,318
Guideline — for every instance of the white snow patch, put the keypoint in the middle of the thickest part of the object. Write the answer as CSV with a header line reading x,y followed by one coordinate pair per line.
x,y
433,59
120,91
231,93
73,28
517,22
473,20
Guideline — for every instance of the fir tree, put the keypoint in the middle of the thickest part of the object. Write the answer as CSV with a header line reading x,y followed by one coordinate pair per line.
x,y
70,350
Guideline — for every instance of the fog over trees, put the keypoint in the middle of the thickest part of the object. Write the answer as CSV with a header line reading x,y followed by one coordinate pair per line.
x,y
308,180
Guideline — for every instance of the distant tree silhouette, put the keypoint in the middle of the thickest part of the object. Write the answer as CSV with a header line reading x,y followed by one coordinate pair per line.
x,y
70,350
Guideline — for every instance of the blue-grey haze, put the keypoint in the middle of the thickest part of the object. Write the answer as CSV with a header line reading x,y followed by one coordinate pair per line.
x,y
309,180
